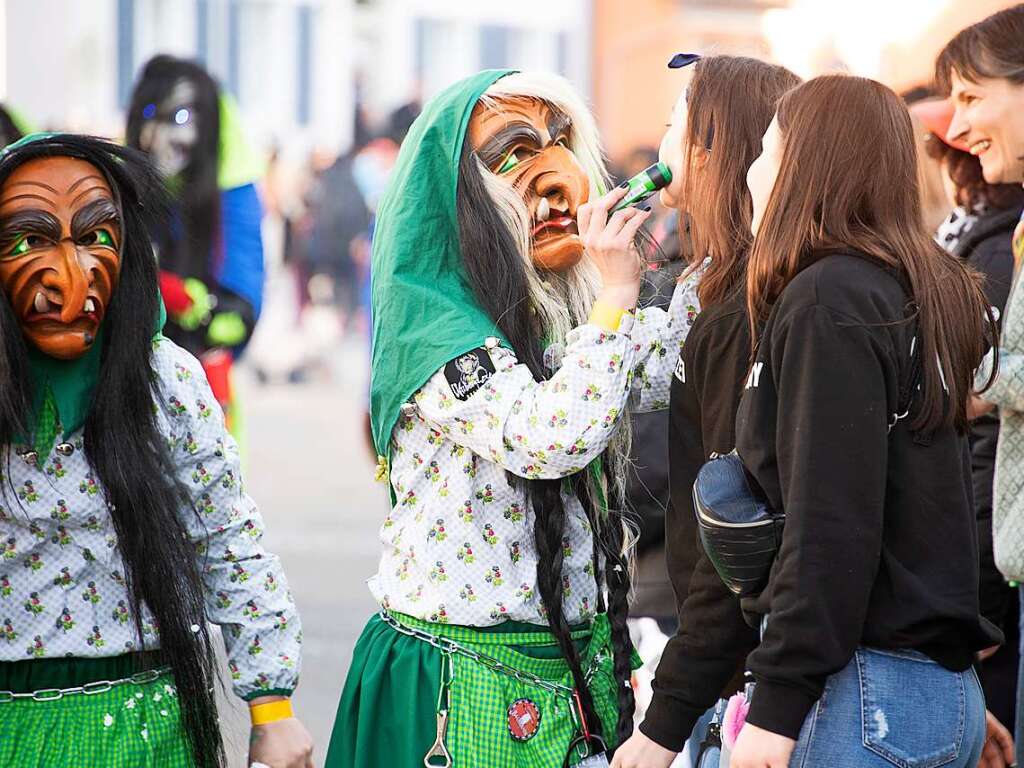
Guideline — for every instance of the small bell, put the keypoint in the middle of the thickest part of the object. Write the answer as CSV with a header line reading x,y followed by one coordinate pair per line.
x,y
29,457
65,449
491,342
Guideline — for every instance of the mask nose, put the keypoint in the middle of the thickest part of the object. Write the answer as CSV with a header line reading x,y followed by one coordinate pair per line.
x,y
70,280
563,182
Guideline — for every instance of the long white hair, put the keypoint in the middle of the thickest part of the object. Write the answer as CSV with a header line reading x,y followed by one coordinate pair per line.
x,y
561,301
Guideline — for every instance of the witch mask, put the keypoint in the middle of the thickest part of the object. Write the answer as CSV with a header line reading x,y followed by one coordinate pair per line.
x,y
59,252
170,128
526,142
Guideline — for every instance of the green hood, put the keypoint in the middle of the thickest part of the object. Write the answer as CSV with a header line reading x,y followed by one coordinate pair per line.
x,y
424,310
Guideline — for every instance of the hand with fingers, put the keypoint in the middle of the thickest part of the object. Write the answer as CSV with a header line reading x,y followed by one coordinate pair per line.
x,y
998,751
758,748
278,739
608,240
639,751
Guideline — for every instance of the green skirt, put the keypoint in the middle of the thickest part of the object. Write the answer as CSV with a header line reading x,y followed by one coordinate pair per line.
x,y
133,725
387,717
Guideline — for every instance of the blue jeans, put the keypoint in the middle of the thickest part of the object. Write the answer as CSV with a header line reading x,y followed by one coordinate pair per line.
x,y
894,708
886,708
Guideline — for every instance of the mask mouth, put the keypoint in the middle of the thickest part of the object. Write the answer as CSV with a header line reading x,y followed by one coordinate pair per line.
x,y
45,310
562,225
551,220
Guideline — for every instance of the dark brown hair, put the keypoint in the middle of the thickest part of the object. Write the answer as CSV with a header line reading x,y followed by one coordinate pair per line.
x,y
848,179
964,169
992,48
731,99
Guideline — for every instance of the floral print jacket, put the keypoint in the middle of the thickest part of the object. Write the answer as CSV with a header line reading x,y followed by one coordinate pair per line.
x,y
62,576
458,544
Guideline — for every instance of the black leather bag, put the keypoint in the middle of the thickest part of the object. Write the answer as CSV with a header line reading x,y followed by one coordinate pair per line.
x,y
741,534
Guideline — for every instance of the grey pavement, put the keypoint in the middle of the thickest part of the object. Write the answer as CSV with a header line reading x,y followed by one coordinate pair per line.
x,y
309,470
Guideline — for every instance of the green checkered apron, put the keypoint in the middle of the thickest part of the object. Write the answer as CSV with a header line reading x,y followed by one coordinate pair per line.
x,y
388,710
133,723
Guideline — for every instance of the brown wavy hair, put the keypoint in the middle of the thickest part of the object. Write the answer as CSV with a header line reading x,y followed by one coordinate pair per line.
x,y
730,103
992,48
848,181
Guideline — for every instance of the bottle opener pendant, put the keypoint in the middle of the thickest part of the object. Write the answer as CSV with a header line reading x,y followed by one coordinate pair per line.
x,y
438,756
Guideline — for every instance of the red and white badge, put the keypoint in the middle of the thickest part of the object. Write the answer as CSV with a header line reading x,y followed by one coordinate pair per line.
x,y
523,719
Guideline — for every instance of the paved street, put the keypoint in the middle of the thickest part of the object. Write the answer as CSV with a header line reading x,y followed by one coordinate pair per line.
x,y
309,470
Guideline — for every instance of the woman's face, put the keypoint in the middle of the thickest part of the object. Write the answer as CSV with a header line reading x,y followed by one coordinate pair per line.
x,y
989,119
763,172
671,152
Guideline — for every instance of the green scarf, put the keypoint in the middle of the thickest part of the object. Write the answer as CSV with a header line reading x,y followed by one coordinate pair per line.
x,y
62,391
424,310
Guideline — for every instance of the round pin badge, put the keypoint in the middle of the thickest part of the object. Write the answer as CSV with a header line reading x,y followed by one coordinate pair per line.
x,y
523,719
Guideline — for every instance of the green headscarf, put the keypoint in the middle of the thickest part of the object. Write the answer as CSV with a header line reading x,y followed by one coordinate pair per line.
x,y
424,310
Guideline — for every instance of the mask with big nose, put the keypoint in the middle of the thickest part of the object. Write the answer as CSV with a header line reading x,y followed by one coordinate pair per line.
x,y
59,252
526,142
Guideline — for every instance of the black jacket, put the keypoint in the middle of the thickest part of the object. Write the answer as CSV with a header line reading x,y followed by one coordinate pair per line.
x,y
880,546
713,639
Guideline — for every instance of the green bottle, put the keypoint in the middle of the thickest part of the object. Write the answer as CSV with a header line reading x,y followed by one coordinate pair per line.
x,y
645,184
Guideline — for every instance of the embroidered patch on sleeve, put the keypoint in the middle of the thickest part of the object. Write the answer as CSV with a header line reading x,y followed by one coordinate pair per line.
x,y
466,374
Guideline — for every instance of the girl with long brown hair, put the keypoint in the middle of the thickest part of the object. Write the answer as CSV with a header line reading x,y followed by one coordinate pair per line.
x,y
852,423
714,136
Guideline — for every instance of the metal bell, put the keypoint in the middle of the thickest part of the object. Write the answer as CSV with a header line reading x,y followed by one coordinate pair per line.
x,y
65,449
491,342
29,457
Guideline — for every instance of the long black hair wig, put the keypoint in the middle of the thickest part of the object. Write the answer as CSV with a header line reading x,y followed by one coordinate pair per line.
x,y
184,248
129,456
497,273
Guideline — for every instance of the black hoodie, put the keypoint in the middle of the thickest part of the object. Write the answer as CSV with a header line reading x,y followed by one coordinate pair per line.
x,y
880,547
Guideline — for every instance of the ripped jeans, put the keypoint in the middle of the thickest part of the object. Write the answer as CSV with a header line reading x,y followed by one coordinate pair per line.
x,y
894,708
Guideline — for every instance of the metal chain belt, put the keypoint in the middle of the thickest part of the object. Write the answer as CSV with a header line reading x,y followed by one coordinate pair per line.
x,y
450,646
89,689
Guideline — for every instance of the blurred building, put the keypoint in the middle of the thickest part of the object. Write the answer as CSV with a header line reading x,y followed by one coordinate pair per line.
x,y
67,63
410,49
300,68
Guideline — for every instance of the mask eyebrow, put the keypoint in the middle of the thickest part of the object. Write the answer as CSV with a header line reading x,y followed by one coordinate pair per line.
x,y
98,212
559,124
494,149
28,222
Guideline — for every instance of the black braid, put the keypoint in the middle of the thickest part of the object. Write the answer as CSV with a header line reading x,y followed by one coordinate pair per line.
x,y
548,530
617,576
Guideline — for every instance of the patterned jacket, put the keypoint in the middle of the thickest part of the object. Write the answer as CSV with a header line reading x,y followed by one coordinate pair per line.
x,y
458,545
62,577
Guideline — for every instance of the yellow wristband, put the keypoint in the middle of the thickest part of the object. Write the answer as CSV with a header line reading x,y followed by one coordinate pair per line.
x,y
606,316
271,712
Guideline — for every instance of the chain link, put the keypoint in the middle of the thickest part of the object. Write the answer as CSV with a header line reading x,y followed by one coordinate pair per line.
x,y
445,645
89,689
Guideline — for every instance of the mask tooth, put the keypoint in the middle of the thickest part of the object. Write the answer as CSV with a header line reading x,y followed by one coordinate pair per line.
x,y
42,304
543,209
90,305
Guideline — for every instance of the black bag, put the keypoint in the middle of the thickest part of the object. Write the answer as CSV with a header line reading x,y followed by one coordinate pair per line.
x,y
741,534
